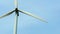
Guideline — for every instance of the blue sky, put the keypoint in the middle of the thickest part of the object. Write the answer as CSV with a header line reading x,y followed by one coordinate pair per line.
x,y
47,9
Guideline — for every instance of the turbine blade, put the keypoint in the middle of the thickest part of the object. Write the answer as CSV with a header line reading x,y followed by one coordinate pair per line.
x,y
27,13
16,3
6,14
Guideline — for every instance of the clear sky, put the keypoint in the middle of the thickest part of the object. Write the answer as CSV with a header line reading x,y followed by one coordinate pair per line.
x,y
47,9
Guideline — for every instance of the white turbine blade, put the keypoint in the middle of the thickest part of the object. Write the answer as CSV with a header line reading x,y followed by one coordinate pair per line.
x,y
27,13
6,14
16,3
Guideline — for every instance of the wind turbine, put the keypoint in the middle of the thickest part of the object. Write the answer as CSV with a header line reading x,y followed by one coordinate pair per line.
x,y
16,10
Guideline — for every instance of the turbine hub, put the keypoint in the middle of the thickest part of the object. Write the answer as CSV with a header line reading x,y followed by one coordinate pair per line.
x,y
17,11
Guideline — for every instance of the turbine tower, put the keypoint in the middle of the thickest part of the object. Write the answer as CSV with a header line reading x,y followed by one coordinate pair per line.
x,y
16,10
